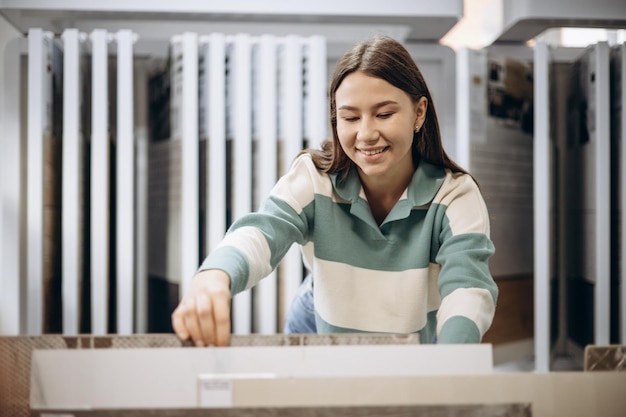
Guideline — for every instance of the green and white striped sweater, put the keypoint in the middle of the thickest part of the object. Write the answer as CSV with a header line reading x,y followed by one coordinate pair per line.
x,y
424,269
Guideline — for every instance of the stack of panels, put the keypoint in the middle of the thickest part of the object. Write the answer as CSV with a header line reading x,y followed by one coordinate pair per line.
x,y
106,198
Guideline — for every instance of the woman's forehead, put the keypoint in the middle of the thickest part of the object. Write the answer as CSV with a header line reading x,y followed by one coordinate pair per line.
x,y
358,89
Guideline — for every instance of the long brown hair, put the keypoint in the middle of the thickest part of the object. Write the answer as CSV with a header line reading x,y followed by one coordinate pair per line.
x,y
384,58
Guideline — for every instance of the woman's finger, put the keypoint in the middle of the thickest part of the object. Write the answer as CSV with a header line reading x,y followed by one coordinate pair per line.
x,y
178,322
191,321
206,320
221,311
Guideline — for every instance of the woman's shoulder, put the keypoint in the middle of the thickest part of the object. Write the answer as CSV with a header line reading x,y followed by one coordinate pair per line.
x,y
301,163
303,158
460,179
305,176
464,204
304,163
457,184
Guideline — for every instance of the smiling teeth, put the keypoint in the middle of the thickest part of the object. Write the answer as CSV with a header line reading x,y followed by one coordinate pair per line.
x,y
376,152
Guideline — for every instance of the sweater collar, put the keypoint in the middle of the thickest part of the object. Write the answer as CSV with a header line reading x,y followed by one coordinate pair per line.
x,y
426,181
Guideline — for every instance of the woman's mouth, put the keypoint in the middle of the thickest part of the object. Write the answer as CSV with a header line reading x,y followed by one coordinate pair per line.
x,y
372,152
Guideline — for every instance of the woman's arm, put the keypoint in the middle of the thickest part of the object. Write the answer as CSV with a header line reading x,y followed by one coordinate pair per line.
x,y
251,249
468,291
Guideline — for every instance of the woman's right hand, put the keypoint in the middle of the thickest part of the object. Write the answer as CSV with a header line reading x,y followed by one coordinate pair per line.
x,y
203,315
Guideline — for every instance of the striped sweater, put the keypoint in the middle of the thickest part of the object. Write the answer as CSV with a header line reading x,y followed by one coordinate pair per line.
x,y
424,269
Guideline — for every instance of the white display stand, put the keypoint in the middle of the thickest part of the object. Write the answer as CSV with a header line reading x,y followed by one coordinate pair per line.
x,y
188,377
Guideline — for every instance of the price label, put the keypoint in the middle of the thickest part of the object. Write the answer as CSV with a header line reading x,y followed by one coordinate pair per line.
x,y
216,390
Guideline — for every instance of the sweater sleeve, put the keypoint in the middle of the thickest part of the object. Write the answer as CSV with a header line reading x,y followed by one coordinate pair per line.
x,y
468,291
256,243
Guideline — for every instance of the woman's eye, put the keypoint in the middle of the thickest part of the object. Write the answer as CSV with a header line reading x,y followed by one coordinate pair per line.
x,y
385,115
351,119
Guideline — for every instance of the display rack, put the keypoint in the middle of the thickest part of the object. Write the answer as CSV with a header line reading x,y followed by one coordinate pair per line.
x,y
521,21
418,20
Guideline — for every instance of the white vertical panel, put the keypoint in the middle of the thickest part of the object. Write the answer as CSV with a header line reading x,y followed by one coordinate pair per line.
x,y
471,105
463,107
100,174
316,116
266,169
602,312
290,118
125,184
37,52
215,73
622,195
242,158
189,161
292,98
542,197
11,207
71,183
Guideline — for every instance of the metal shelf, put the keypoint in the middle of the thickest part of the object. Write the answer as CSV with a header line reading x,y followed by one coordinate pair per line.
x,y
522,20
418,20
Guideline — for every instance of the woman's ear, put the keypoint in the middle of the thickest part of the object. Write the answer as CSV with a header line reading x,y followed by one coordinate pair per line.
x,y
420,112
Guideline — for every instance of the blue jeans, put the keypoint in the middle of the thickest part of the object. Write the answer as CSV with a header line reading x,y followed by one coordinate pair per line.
x,y
301,313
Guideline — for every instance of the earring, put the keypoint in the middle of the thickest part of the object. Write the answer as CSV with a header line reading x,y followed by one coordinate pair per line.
x,y
417,129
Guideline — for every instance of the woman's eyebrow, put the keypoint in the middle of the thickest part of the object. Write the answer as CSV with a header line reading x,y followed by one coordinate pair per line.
x,y
376,106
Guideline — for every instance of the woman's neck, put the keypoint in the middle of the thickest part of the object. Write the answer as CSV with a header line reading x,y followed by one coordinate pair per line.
x,y
383,193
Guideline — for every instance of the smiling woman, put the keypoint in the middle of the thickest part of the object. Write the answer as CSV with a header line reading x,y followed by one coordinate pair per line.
x,y
395,234
375,126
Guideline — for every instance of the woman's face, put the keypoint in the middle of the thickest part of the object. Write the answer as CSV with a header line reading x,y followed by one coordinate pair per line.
x,y
375,125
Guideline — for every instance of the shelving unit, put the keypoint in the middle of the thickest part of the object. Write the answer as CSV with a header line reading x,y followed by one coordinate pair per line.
x,y
521,21
417,20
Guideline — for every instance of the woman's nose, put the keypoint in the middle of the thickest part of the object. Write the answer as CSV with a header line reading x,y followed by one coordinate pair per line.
x,y
367,130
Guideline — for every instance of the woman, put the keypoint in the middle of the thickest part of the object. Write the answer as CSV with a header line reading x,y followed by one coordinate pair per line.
x,y
396,235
